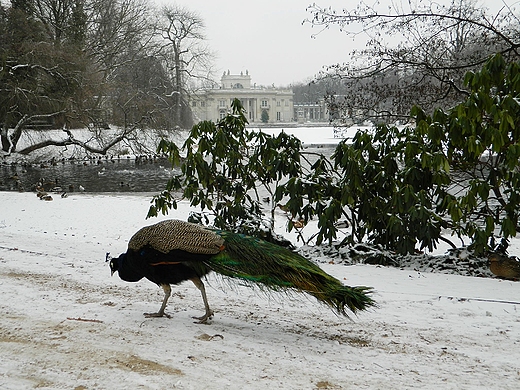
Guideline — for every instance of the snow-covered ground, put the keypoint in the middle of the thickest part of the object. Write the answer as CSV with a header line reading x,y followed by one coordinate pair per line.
x,y
66,324
319,135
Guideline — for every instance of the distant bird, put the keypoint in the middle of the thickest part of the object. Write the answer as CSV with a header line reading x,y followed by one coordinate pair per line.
x,y
173,251
40,194
298,223
504,266
282,207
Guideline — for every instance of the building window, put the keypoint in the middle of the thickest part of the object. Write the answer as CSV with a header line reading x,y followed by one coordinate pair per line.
x,y
222,114
222,103
278,116
203,103
264,103
278,103
194,104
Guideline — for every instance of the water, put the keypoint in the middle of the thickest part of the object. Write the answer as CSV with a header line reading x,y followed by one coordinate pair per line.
x,y
102,175
125,175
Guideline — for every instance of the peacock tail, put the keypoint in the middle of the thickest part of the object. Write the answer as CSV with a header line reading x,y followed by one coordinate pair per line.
x,y
275,267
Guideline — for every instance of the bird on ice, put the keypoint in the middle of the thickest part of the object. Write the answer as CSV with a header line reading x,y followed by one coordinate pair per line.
x,y
172,251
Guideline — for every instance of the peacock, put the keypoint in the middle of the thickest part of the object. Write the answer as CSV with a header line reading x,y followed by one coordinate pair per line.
x,y
172,251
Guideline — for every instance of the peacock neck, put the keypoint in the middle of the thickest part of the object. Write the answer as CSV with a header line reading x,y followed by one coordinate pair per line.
x,y
126,271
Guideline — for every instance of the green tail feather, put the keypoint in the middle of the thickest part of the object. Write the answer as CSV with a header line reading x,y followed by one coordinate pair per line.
x,y
278,268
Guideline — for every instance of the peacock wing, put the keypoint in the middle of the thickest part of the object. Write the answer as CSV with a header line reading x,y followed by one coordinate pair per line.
x,y
172,234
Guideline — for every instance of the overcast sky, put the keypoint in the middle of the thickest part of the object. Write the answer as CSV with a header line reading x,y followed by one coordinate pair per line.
x,y
267,38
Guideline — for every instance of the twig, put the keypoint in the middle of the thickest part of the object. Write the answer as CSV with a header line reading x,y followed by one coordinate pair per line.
x,y
84,320
483,300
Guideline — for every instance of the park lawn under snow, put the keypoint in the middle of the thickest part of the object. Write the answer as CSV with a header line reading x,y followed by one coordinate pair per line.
x,y
66,324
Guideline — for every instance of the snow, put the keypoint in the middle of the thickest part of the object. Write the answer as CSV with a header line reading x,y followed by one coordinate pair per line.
x,y
317,135
66,324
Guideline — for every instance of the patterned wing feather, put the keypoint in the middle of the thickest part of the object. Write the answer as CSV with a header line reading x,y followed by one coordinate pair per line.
x,y
173,234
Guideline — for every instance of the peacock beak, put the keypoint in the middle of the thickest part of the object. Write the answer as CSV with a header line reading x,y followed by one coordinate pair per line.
x,y
107,259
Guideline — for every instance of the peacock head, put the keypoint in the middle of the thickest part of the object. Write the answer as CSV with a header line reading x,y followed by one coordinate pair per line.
x,y
114,262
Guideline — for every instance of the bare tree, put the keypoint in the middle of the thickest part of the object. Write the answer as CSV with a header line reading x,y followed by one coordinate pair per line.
x,y
66,63
116,30
61,19
416,53
38,77
185,53
90,63
119,36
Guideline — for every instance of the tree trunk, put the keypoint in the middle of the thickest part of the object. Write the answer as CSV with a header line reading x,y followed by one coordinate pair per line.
x,y
177,98
4,139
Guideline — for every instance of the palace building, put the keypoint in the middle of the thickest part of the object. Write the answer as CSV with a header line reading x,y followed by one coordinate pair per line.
x,y
268,105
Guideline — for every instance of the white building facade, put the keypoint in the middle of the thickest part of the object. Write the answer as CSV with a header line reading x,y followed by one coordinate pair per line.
x,y
271,104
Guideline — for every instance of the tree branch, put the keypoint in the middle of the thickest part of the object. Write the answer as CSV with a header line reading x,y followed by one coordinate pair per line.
x,y
71,140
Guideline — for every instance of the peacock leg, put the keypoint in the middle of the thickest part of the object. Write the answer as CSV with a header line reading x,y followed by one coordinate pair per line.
x,y
167,292
209,312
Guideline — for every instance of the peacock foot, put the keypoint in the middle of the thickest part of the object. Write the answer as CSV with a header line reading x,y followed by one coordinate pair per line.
x,y
204,318
156,315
